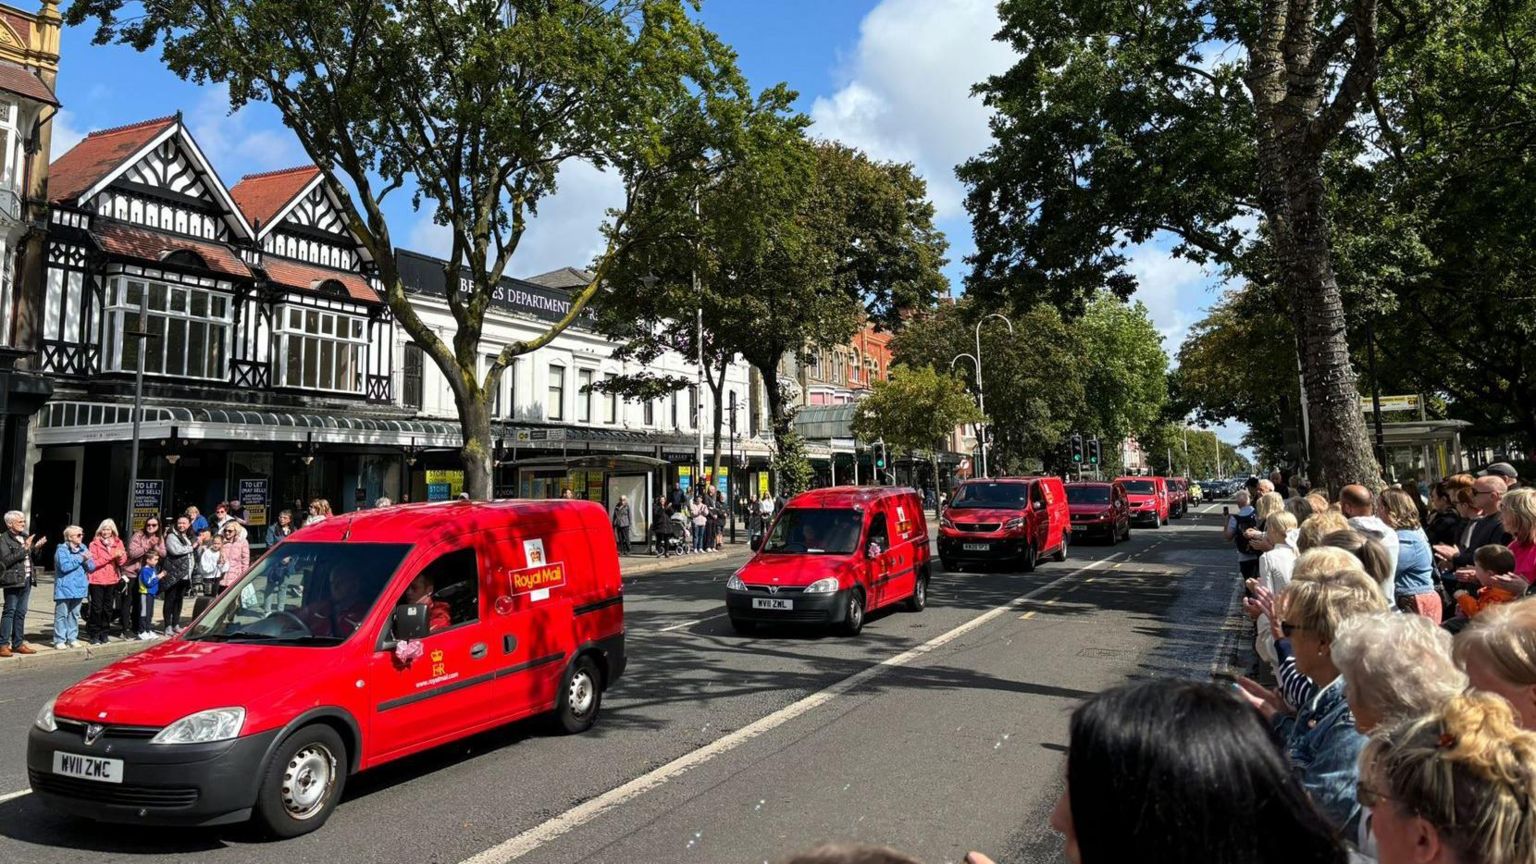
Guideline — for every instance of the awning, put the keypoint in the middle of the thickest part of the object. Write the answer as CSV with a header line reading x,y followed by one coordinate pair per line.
x,y
825,422
62,423
591,461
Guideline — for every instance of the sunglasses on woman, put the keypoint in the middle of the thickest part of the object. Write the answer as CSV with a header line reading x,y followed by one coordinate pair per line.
x,y
1287,628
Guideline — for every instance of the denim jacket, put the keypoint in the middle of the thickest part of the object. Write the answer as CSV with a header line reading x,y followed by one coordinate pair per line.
x,y
1415,563
1324,751
72,561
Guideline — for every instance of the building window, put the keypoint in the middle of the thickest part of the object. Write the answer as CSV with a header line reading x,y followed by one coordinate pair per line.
x,y
610,404
814,369
675,398
554,406
189,329
650,412
321,350
584,396
410,386
496,403
693,406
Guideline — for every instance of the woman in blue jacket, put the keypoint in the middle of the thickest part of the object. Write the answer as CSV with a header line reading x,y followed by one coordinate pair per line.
x,y
72,561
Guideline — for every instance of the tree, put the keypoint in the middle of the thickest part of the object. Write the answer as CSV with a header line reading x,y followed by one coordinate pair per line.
x,y
1123,366
915,410
1124,120
794,245
476,104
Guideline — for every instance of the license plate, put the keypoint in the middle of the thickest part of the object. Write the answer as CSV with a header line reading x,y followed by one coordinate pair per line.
x,y
977,547
88,767
772,603
1077,528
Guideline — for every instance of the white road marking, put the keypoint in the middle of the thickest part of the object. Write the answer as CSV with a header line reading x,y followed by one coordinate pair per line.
x,y
687,623
12,796
552,829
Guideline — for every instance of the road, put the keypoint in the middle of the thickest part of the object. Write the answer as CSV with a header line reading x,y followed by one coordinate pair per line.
x,y
934,732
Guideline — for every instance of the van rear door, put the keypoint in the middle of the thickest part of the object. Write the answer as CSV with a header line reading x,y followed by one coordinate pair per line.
x,y
537,568
905,513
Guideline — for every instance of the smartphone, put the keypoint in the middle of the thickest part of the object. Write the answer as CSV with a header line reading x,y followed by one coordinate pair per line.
x,y
1226,678
1225,510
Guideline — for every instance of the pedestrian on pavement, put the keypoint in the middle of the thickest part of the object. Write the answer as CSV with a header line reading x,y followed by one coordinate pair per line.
x,y
72,566
1372,556
1454,786
1505,472
1267,505
107,583
18,549
148,582
1317,527
237,512
700,513
149,538
221,518
236,555
1444,524
1397,666
658,524
1498,650
1320,739
1482,525
1136,792
197,521
1359,508
1413,583
1275,568
177,573
1277,483
381,502
679,497
206,560
622,520
278,532
1236,531
319,511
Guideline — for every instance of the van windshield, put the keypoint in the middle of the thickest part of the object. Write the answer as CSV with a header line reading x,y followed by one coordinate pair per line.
x,y
302,594
1006,495
806,531
1140,487
1088,494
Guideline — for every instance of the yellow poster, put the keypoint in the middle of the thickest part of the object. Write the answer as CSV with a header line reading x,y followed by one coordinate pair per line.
x,y
762,484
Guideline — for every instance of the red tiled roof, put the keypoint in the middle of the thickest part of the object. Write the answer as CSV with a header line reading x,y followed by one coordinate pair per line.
x,y
297,274
147,244
98,155
14,79
262,196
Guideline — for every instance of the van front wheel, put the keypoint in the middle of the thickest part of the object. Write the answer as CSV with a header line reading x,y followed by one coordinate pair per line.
x,y
581,695
853,620
303,782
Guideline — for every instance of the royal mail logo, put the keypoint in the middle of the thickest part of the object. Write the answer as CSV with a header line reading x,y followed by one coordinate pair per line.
x,y
536,578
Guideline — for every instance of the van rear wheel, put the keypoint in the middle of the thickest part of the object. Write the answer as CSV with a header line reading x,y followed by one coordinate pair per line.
x,y
303,782
1061,554
919,599
581,695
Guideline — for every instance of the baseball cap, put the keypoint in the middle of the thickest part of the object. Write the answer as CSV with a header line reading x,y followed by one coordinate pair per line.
x,y
1503,469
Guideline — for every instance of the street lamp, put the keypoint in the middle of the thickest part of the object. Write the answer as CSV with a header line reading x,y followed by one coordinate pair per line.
x,y
981,396
142,335
981,446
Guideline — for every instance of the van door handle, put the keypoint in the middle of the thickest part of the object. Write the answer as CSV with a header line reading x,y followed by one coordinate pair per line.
x,y
478,651
508,644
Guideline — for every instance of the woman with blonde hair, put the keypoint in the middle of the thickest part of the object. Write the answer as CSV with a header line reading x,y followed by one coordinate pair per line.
x,y
1264,507
1275,568
1498,650
1319,733
1455,786
106,583
1518,513
319,511
237,553
1395,667
1317,526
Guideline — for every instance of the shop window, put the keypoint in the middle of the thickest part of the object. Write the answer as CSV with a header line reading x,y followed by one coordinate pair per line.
x,y
320,350
554,405
190,329
584,396
410,385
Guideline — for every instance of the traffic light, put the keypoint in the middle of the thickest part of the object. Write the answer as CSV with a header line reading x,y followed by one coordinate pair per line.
x,y
1077,449
880,456
1093,452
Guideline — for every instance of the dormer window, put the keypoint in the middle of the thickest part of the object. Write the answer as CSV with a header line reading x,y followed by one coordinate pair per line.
x,y
184,258
332,287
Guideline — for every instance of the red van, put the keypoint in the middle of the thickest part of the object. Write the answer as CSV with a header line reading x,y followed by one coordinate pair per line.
x,y
1018,519
833,556
1149,499
1178,497
356,641
1099,510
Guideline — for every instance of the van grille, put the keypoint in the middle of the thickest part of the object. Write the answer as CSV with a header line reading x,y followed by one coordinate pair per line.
x,y
978,527
141,733
124,794
783,589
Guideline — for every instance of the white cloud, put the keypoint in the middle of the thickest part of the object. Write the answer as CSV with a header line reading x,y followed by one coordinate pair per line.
x,y
65,133
240,143
563,234
907,95
1176,291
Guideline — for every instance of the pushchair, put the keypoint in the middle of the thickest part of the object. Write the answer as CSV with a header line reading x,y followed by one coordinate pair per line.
x,y
670,537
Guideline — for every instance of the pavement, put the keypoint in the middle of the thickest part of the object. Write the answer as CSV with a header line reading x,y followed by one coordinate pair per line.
x,y
934,732
39,632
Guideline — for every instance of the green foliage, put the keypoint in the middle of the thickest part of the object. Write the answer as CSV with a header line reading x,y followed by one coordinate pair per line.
x,y
914,410
791,465
1163,441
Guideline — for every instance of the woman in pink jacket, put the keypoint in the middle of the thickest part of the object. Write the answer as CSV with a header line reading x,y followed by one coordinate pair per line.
x,y
237,553
108,553
142,541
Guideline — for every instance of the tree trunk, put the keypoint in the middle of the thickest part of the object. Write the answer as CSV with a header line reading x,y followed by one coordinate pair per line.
x,y
717,389
475,426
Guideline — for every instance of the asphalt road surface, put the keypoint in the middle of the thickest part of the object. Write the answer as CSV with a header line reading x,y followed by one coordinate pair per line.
x,y
935,732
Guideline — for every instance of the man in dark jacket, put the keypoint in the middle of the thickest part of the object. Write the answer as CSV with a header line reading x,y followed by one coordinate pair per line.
x,y
1486,529
178,572
17,576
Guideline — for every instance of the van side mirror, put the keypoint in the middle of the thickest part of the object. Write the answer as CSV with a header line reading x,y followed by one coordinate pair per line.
x,y
873,550
409,621
1039,505
758,541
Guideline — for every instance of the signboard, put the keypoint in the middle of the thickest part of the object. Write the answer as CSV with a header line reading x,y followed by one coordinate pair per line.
x,y
1390,403
762,484
444,485
844,444
685,477
723,481
424,275
594,486
146,501
253,499
527,436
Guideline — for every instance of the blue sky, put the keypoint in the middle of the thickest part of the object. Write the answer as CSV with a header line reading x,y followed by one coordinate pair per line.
x,y
890,76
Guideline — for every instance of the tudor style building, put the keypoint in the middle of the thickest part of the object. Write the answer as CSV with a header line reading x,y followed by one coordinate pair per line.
x,y
253,313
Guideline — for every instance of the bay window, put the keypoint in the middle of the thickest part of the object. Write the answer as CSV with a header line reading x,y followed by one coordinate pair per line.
x,y
190,329
320,350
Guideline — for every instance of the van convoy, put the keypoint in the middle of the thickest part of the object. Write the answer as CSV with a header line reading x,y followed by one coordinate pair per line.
x,y
357,641
369,637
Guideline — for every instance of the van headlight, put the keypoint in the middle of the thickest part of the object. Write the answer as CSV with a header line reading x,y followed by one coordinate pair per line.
x,y
734,583
1014,523
204,727
828,585
45,719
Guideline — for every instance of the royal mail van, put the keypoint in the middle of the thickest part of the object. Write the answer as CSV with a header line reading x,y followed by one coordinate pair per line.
x,y
1149,499
358,640
833,556
1006,519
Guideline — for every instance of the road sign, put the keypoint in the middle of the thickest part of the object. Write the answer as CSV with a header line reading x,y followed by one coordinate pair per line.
x,y
1391,403
253,499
